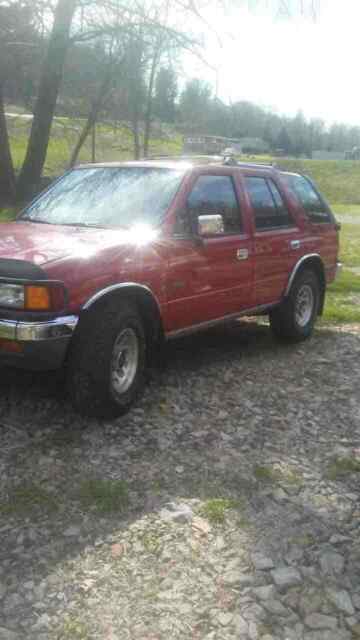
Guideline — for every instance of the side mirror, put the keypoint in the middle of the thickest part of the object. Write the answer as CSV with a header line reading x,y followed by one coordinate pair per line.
x,y
210,225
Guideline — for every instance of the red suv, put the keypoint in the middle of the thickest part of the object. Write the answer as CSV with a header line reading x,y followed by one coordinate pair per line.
x,y
113,259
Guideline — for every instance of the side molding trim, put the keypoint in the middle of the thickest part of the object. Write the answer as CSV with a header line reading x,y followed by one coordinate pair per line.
x,y
218,321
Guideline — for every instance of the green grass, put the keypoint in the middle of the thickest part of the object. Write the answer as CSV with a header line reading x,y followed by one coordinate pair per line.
x,y
214,510
350,244
152,542
338,180
27,498
73,629
342,209
343,295
112,143
305,540
6,215
106,496
267,473
342,466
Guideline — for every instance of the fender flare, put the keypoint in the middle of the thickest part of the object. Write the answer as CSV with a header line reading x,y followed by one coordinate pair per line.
x,y
149,305
134,286
300,263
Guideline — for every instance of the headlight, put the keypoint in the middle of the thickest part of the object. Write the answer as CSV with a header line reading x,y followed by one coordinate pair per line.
x,y
12,295
33,297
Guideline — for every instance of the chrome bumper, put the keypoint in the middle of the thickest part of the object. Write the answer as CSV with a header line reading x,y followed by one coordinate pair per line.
x,y
34,331
44,345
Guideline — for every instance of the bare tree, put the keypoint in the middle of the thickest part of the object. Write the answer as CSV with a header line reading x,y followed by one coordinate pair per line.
x,y
69,25
47,96
7,174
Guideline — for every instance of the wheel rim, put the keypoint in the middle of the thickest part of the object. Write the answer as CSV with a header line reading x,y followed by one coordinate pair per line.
x,y
124,361
304,305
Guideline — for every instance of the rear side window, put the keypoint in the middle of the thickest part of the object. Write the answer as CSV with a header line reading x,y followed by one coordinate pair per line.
x,y
309,199
269,208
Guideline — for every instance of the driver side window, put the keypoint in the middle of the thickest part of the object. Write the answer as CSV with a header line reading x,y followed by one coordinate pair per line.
x,y
212,195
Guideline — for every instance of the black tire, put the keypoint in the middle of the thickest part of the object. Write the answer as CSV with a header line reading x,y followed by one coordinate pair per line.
x,y
284,320
90,381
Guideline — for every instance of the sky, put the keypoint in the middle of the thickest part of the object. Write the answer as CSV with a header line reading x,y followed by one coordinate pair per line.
x,y
288,65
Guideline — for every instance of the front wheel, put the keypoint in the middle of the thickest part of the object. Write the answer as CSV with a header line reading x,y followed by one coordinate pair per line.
x,y
295,318
106,372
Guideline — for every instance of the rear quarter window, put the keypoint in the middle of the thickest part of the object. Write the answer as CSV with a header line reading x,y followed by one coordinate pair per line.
x,y
270,211
310,200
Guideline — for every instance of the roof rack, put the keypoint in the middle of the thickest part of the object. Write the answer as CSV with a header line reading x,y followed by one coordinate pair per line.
x,y
224,159
186,157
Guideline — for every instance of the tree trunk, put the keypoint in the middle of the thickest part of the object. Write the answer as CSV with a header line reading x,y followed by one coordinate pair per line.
x,y
7,175
46,102
92,117
136,134
149,102
82,138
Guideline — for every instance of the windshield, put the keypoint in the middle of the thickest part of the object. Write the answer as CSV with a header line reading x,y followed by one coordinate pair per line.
x,y
107,196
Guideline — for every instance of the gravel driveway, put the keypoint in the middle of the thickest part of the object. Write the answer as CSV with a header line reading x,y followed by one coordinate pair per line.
x,y
225,506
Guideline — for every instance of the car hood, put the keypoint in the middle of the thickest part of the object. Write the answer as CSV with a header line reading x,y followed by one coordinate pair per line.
x,y
42,244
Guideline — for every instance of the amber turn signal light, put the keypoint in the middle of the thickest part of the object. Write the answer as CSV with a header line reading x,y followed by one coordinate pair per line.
x,y
37,298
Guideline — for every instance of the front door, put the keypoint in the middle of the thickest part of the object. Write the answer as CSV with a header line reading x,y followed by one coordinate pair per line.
x,y
278,241
209,277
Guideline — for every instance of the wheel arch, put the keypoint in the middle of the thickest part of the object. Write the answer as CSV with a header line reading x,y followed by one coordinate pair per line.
x,y
310,261
142,296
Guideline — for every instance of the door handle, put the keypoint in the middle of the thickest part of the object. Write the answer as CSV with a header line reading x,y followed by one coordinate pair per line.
x,y
295,244
242,254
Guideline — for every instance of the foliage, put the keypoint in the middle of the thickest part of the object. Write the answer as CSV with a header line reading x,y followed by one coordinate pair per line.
x,y
272,473
6,215
28,497
343,466
107,496
73,628
166,90
215,509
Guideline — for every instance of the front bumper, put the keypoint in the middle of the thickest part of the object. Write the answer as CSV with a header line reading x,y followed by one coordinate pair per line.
x,y
36,345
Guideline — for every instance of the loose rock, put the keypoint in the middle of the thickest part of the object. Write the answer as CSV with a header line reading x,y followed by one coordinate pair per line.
x,y
285,577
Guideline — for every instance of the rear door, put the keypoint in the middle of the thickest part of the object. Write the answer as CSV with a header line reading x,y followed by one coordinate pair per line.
x,y
322,226
211,277
278,240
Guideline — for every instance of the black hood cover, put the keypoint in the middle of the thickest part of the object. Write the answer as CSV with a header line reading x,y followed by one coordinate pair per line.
x,y
21,270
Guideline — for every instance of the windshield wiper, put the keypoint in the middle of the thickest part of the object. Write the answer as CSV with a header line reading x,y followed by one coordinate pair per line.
x,y
83,225
79,224
92,225
36,221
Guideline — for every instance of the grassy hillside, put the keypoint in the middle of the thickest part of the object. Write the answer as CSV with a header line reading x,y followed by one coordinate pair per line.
x,y
112,142
338,180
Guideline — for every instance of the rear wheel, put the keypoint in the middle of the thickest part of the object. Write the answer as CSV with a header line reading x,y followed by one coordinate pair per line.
x,y
106,372
295,318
